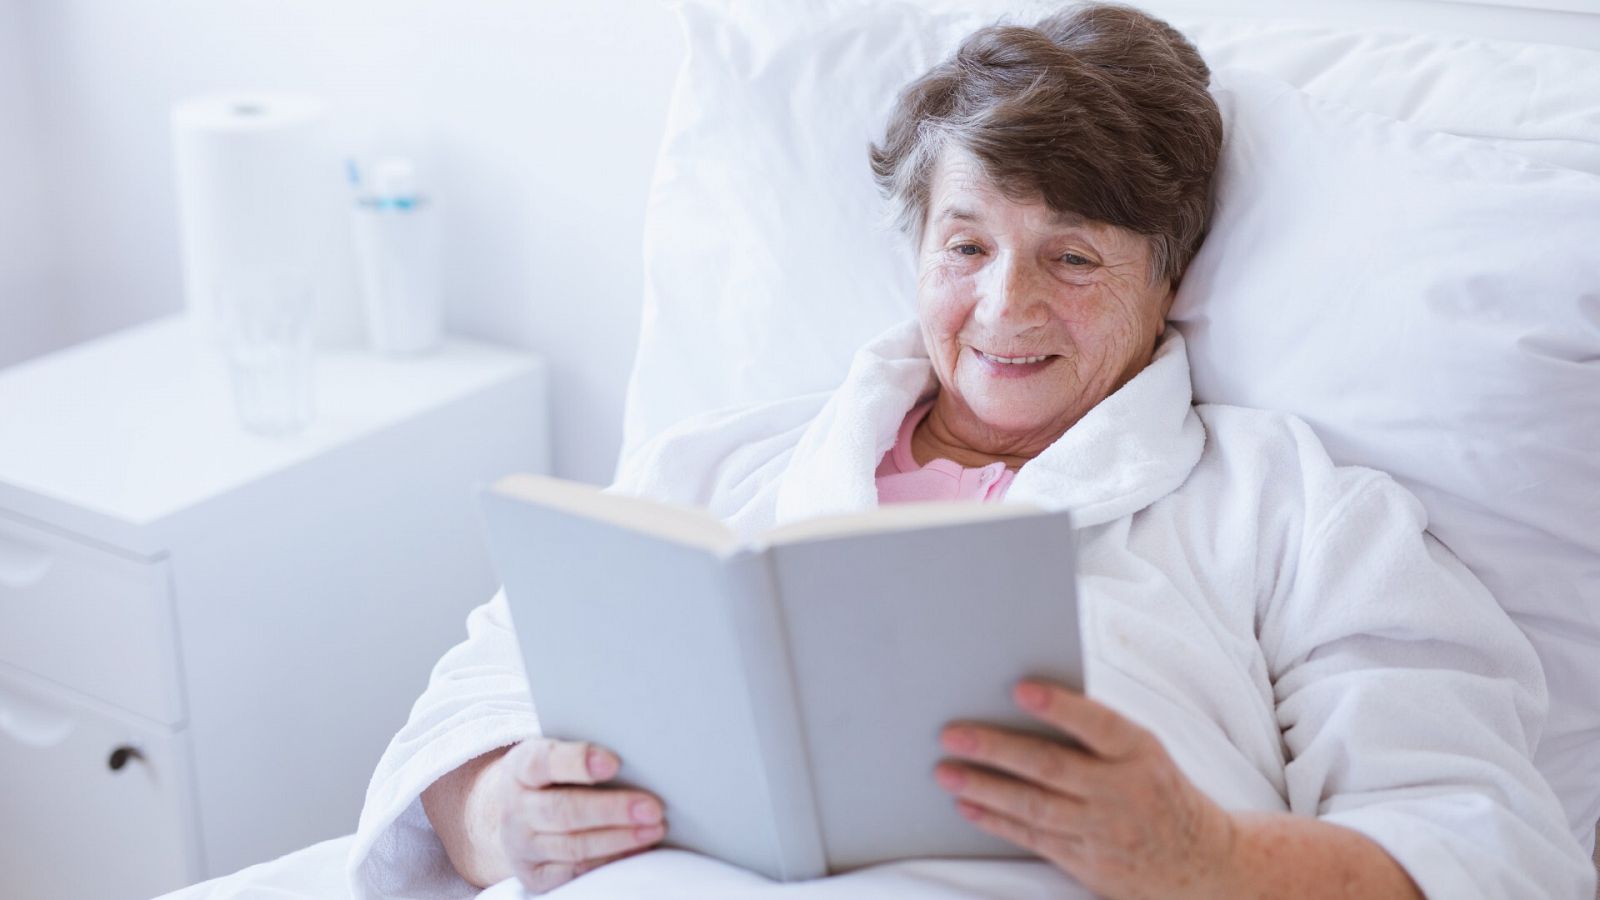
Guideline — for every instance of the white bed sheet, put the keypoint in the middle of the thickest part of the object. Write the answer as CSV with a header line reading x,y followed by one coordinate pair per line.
x,y
680,875
318,871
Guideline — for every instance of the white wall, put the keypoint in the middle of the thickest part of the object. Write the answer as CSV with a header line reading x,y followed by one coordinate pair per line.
x,y
30,321
541,118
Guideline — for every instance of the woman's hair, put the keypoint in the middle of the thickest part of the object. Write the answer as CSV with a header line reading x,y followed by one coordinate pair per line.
x,y
1100,110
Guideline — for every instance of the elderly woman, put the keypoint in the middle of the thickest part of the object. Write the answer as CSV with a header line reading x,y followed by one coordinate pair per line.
x,y
1292,689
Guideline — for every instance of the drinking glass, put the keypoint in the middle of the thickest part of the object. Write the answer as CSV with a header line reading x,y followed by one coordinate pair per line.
x,y
266,329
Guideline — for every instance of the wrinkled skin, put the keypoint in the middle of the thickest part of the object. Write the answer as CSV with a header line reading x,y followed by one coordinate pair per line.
x,y
556,825
1105,804
1016,279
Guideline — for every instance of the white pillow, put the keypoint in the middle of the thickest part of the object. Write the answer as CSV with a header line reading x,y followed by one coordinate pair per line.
x,y
1427,302
1536,100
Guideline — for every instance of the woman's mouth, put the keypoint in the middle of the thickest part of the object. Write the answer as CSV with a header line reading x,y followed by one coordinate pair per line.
x,y
1012,366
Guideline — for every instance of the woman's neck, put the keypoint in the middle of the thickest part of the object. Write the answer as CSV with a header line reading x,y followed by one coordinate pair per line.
x,y
934,439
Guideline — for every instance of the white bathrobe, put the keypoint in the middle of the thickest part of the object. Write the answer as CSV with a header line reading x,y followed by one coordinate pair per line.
x,y
1283,625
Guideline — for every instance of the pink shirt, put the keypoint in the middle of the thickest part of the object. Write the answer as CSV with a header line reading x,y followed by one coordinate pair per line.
x,y
901,480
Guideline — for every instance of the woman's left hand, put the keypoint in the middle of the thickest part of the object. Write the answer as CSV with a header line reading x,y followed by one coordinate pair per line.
x,y
1113,811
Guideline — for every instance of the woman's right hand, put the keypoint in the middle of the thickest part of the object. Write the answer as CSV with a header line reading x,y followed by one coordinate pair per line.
x,y
555,824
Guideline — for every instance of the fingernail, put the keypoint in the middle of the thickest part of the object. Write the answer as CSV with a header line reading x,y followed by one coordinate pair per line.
x,y
960,740
949,778
645,811
649,832
968,810
602,765
1031,696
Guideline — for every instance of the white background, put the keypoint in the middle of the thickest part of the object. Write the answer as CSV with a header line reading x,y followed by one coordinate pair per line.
x,y
540,119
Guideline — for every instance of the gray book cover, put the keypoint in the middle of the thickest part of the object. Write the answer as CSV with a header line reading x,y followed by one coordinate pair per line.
x,y
783,695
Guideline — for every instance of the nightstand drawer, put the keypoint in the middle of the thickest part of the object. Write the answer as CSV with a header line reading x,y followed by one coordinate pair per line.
x,y
89,619
95,804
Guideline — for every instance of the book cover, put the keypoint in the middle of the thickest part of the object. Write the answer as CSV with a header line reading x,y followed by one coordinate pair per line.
x,y
783,694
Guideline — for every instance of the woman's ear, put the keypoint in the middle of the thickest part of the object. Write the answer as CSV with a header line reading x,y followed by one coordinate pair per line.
x,y
1166,302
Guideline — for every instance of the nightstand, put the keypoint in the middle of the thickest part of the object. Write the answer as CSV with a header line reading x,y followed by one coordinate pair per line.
x,y
208,637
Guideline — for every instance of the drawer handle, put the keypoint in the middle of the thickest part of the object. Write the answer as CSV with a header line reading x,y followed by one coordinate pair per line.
x,y
22,565
31,724
120,757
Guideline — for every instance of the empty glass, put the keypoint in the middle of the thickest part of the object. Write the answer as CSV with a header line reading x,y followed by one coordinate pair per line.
x,y
266,329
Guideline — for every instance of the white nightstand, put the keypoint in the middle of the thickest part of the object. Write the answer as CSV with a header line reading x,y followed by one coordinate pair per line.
x,y
208,637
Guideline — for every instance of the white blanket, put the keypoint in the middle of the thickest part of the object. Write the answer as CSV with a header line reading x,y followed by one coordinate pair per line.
x,y
1284,626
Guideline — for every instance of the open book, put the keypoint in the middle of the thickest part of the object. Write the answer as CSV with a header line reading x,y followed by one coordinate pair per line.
x,y
783,695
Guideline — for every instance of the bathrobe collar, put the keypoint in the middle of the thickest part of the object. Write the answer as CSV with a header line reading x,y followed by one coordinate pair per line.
x,y
1134,447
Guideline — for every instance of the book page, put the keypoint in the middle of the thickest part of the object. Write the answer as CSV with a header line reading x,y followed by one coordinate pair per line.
x,y
682,524
895,633
634,642
895,517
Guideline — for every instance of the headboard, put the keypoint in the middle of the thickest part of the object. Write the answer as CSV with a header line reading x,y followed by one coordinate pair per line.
x,y
1572,22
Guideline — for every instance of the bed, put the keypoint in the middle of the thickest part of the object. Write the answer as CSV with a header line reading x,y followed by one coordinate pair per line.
x,y
1522,77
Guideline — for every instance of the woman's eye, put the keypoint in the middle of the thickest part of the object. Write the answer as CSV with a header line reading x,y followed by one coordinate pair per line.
x,y
1073,259
967,249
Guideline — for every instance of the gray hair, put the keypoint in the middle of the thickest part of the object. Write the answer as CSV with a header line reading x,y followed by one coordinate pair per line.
x,y
1100,110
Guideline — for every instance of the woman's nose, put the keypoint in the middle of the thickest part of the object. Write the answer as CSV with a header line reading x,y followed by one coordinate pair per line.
x,y
1011,295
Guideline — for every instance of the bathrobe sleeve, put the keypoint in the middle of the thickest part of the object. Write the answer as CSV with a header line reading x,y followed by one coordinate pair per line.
x,y
1409,701
476,701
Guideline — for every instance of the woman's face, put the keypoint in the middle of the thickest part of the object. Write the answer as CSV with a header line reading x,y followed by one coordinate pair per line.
x,y
1030,318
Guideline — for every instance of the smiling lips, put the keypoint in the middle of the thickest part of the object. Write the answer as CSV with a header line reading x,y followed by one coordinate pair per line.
x,y
1012,366
1013,360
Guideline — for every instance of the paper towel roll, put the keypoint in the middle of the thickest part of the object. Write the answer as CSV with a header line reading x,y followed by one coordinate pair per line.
x,y
261,199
